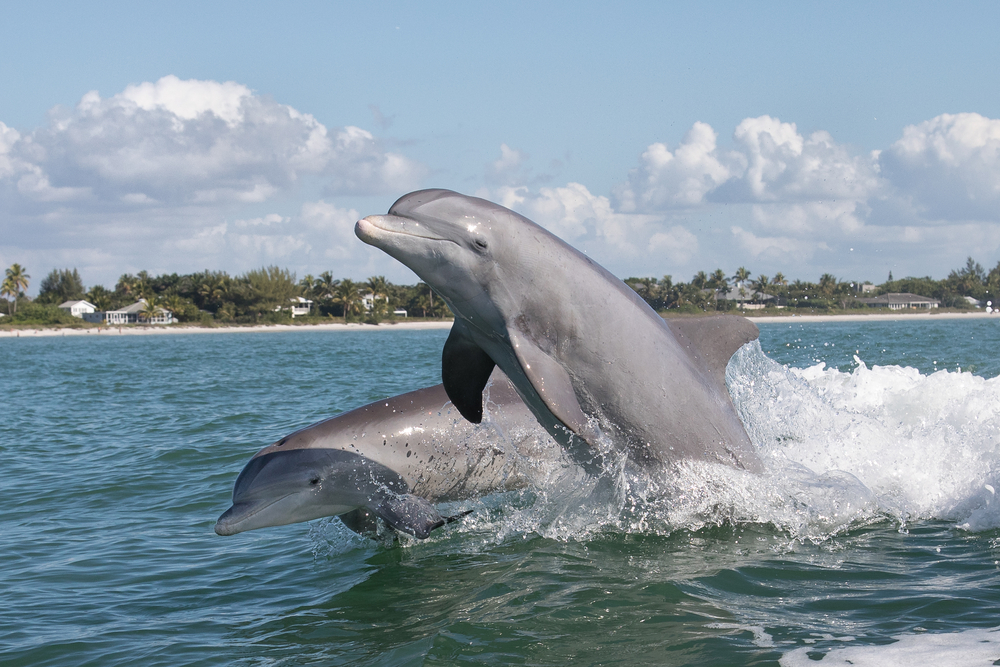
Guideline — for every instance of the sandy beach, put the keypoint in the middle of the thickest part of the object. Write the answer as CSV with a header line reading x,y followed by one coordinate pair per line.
x,y
132,330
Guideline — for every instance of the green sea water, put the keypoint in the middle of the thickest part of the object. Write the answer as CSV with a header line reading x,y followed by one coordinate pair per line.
x,y
873,536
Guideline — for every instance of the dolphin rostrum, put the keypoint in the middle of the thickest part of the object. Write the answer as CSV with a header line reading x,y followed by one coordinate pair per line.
x,y
594,363
391,459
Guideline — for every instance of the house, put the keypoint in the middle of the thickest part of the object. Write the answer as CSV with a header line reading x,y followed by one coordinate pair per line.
x,y
368,301
131,315
901,301
399,312
300,306
972,301
78,308
746,298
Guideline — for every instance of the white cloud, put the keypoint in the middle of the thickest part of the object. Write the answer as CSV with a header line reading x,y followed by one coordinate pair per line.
x,y
359,166
508,169
782,165
949,167
772,163
783,250
177,142
682,178
590,223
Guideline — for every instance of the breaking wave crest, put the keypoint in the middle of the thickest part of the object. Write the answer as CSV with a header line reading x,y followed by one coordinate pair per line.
x,y
841,450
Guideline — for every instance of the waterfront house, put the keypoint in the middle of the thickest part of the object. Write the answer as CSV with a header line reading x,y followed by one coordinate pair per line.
x,y
130,315
300,306
747,298
901,301
78,308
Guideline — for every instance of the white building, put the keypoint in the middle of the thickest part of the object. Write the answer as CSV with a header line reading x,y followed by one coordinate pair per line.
x,y
131,315
300,306
901,301
78,308
368,301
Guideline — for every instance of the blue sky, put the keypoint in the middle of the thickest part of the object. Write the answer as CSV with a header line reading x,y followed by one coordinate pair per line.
x,y
661,138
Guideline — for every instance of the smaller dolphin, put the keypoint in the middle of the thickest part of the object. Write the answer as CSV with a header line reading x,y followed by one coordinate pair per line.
x,y
390,459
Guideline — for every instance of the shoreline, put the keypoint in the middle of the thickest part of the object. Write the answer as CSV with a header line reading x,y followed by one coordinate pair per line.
x,y
131,330
876,317
153,330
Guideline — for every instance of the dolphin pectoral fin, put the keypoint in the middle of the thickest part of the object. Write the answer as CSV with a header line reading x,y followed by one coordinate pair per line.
x,y
410,514
552,383
465,370
362,521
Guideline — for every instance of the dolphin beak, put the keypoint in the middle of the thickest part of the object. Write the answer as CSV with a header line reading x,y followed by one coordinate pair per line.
x,y
377,228
228,523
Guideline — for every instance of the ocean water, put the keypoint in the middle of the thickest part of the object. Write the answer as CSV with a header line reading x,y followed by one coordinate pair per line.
x,y
873,538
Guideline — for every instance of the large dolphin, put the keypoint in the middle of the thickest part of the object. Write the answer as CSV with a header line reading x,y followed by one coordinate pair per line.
x,y
391,459
596,365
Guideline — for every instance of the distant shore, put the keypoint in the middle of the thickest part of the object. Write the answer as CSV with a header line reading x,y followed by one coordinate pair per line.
x,y
154,330
893,316
145,330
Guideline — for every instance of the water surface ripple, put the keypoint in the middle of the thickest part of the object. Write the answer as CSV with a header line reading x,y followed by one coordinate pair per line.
x,y
120,453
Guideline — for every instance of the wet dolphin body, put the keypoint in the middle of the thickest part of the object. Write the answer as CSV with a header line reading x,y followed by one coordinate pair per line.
x,y
590,358
390,459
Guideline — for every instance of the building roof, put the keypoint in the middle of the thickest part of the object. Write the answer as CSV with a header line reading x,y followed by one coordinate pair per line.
x,y
898,297
137,307
70,304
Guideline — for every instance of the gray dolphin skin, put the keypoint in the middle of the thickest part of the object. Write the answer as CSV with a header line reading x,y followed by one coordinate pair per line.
x,y
390,459
596,365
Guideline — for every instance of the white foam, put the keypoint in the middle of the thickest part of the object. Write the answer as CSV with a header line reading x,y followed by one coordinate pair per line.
x,y
968,648
882,440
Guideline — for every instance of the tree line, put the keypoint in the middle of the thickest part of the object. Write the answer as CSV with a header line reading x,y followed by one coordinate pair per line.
x,y
264,295
829,293
259,296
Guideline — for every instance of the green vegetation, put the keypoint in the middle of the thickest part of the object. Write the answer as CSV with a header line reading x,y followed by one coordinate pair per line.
x,y
827,295
264,296
260,296
14,283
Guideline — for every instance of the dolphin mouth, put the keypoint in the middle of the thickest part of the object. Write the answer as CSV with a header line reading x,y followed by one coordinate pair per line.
x,y
233,519
374,227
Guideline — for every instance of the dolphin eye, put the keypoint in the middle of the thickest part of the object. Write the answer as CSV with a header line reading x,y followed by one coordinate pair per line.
x,y
314,481
481,243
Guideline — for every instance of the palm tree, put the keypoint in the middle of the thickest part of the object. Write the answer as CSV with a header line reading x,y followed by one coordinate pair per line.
x,y
717,279
827,284
7,289
100,297
759,285
152,307
175,303
15,283
379,287
779,279
325,285
308,285
347,296
741,276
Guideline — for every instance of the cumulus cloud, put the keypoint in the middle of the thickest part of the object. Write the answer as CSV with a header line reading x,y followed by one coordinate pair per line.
x,y
589,222
508,169
782,165
948,166
176,142
666,179
771,162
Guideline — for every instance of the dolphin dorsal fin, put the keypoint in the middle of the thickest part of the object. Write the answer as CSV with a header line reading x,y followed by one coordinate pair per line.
x,y
712,341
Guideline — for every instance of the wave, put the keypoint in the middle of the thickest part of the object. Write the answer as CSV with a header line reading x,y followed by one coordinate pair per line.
x,y
842,450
